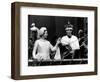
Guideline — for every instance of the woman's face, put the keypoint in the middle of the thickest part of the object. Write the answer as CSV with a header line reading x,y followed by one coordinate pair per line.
x,y
45,34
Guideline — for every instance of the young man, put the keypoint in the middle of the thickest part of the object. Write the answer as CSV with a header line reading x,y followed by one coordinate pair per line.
x,y
70,42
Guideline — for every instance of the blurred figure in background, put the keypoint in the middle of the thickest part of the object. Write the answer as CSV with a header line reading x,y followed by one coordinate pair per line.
x,y
83,44
34,35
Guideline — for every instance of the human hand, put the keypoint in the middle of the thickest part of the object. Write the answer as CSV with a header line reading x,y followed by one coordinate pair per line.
x,y
72,51
58,41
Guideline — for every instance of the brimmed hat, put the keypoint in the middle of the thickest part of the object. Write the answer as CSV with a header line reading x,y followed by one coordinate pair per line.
x,y
33,24
34,29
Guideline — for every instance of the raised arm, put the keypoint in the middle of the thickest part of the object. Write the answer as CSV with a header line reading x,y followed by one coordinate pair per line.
x,y
56,46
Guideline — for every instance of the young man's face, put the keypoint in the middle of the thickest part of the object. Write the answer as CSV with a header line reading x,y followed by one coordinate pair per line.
x,y
68,31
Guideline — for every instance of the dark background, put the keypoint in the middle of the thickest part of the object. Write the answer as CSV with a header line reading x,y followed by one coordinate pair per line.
x,y
55,24
56,28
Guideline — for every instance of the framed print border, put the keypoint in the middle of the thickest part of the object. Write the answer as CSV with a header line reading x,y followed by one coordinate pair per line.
x,y
15,39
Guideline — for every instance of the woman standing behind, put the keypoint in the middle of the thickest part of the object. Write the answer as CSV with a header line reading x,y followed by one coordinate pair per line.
x,y
43,47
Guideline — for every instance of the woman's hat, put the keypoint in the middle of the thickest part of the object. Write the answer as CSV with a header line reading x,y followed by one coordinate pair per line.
x,y
41,31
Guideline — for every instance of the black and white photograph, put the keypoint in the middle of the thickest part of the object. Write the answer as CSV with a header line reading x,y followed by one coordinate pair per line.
x,y
57,40
50,40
